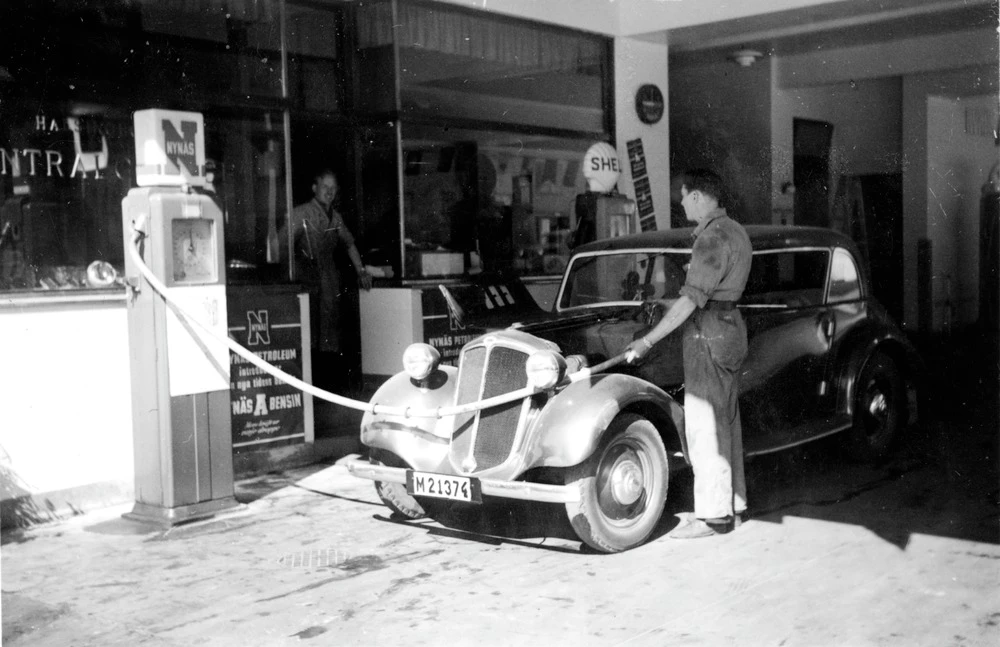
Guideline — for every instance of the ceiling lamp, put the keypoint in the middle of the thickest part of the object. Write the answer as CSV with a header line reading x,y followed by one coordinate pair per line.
x,y
745,57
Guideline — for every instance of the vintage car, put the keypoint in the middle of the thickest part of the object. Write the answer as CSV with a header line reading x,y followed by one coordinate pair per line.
x,y
585,429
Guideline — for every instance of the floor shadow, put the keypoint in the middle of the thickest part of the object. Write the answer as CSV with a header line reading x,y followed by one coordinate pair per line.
x,y
250,489
941,480
123,527
480,533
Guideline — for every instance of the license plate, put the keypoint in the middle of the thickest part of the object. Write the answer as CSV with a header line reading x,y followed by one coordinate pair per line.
x,y
442,486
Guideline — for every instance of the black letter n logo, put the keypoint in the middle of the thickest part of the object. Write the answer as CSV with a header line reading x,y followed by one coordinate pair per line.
x,y
181,149
258,328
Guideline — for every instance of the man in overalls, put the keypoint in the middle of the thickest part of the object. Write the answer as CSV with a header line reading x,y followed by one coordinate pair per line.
x,y
715,344
319,232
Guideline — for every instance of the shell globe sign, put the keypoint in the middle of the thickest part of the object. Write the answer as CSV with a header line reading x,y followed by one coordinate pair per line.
x,y
601,167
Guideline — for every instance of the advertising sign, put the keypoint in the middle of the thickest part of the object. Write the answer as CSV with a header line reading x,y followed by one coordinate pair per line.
x,y
442,329
169,148
266,411
640,181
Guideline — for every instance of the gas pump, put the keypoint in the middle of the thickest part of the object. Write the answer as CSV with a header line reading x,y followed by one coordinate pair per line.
x,y
602,212
180,378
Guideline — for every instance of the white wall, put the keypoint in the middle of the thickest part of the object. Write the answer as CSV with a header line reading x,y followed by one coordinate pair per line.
x,y
895,58
917,160
953,65
67,412
637,62
867,127
645,16
958,163
633,17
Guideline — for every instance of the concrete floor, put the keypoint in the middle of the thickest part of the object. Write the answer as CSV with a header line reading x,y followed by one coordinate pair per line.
x,y
905,553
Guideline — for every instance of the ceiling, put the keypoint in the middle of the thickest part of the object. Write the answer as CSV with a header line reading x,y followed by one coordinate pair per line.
x,y
830,26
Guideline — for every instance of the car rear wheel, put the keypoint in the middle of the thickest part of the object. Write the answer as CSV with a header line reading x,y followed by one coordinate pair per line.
x,y
879,409
623,487
394,495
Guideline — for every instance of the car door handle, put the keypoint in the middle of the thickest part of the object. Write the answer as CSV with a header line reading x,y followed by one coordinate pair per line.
x,y
828,325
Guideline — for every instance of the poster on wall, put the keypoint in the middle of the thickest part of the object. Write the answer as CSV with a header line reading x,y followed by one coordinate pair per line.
x,y
265,411
640,181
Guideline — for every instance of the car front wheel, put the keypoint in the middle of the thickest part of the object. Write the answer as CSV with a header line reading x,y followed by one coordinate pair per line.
x,y
623,487
879,409
394,495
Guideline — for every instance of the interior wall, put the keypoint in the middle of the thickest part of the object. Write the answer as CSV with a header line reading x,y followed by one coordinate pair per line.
x,y
867,129
917,55
960,155
720,118
637,62
633,17
951,65
955,84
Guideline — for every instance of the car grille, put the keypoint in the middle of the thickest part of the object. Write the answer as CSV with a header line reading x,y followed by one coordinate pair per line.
x,y
489,434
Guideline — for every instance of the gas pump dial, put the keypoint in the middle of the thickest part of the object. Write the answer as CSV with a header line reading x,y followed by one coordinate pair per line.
x,y
194,248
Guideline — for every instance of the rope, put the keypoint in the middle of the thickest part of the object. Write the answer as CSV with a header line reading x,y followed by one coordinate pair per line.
x,y
405,412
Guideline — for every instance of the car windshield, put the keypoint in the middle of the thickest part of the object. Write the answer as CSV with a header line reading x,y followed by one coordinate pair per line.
x,y
623,277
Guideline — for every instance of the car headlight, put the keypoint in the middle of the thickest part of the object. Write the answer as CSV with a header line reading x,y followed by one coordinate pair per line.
x,y
420,360
545,368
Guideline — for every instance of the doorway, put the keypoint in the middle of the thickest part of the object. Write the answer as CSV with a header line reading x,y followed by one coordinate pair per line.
x,y
883,204
811,171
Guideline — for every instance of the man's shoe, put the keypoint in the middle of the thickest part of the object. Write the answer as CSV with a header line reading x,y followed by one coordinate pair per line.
x,y
694,529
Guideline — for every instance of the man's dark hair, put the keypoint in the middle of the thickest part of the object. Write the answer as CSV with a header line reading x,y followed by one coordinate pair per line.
x,y
706,181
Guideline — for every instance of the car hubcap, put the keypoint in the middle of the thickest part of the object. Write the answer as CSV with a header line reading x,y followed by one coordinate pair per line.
x,y
878,412
626,480
878,405
621,483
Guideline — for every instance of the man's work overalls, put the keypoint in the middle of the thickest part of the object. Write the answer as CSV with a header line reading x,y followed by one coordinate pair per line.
x,y
715,344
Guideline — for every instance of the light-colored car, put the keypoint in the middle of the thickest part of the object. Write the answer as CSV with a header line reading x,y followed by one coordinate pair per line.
x,y
600,436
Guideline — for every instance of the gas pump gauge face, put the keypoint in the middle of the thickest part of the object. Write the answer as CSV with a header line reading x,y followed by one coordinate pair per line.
x,y
194,250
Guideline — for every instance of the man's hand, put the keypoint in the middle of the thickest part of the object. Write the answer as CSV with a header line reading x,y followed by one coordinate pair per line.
x,y
637,350
365,280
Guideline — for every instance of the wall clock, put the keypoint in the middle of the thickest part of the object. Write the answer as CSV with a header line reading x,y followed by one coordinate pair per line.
x,y
649,103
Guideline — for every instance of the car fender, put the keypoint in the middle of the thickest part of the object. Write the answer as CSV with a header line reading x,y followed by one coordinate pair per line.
x,y
573,422
864,344
422,442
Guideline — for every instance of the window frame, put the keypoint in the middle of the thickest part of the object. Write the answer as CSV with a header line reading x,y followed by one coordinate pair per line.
x,y
786,250
843,252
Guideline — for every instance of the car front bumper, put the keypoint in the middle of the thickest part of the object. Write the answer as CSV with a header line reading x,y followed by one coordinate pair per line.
x,y
523,490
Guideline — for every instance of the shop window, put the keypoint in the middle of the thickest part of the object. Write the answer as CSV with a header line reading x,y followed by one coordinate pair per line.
x,y
63,173
474,65
64,170
315,63
167,50
375,57
212,47
246,159
488,200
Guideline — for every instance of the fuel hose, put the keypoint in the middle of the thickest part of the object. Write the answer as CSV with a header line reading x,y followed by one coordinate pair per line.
x,y
379,409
